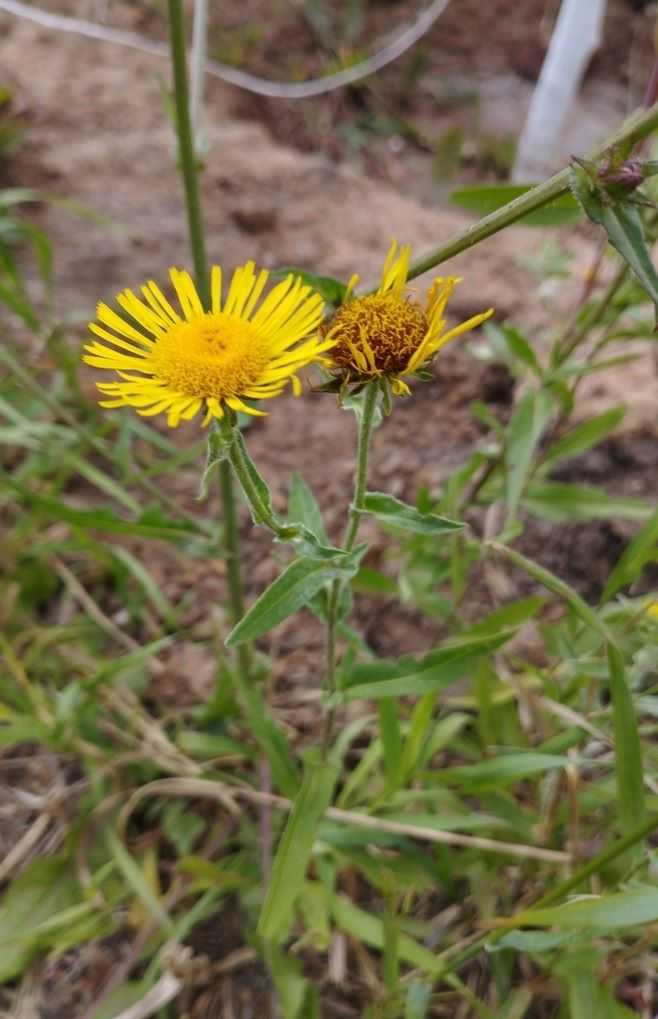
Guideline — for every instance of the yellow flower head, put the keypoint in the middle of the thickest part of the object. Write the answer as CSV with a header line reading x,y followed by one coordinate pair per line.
x,y
206,360
385,334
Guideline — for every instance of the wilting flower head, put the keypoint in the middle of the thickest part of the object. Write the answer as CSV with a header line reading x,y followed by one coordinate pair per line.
x,y
387,335
206,359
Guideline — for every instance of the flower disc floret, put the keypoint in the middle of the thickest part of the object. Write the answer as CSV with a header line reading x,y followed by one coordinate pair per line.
x,y
387,335
207,359
378,333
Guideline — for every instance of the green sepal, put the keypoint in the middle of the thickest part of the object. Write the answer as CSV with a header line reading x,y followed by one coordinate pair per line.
x,y
217,450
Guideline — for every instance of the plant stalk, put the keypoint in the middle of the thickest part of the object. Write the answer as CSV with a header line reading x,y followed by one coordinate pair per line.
x,y
366,426
189,173
638,126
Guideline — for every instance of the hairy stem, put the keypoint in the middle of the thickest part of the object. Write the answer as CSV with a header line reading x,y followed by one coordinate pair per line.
x,y
366,426
638,126
190,178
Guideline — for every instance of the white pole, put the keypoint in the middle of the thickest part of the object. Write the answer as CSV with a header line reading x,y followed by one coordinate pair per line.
x,y
198,71
576,37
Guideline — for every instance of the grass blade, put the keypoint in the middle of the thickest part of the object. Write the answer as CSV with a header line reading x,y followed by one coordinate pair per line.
x,y
291,860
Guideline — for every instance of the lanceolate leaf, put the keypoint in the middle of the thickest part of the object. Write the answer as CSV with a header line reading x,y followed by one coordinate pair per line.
x,y
303,509
631,804
523,433
563,503
486,199
642,549
622,222
291,860
392,511
414,677
296,586
500,771
584,436
626,909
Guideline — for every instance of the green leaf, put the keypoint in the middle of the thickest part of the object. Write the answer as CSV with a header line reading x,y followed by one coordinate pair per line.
x,y
392,511
332,290
564,503
642,549
270,738
508,617
294,851
150,524
369,930
524,431
531,941
120,998
631,801
150,587
391,737
293,589
289,981
502,770
413,677
45,888
625,909
516,344
417,1000
136,881
584,436
486,199
303,508
558,587
623,224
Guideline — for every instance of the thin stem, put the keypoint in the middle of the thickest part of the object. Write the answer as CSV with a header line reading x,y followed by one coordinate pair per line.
x,y
366,426
189,174
596,314
638,126
232,556
186,150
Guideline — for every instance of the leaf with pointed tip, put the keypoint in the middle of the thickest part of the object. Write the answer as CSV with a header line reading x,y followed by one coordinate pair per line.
x,y
293,589
392,511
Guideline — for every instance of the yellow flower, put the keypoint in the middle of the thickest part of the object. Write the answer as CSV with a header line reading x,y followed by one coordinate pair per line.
x,y
652,610
206,360
385,333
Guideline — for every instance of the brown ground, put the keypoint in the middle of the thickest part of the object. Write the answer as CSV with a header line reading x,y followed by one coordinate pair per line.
x,y
277,189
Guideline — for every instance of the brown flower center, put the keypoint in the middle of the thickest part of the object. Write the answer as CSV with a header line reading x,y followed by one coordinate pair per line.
x,y
383,329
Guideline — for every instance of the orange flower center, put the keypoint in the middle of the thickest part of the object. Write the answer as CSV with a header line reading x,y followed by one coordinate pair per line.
x,y
217,355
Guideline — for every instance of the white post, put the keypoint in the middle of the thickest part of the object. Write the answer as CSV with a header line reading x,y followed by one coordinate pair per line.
x,y
576,37
198,71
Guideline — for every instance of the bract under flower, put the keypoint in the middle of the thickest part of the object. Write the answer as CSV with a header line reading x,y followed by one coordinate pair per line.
x,y
203,359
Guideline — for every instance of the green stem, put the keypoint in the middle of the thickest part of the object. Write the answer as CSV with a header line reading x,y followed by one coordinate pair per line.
x,y
366,426
595,316
186,152
638,126
189,174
